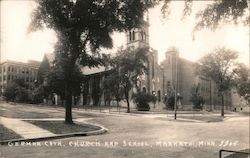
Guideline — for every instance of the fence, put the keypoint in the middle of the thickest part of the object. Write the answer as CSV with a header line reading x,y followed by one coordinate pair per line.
x,y
237,154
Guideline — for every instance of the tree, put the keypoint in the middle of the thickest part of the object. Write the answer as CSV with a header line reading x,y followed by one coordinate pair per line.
x,y
196,98
9,92
129,65
170,97
17,90
40,92
223,11
220,66
82,28
112,88
57,78
243,81
216,13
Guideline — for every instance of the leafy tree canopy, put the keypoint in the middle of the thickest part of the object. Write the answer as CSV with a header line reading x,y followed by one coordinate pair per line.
x,y
82,28
243,81
88,22
216,13
220,65
131,64
128,65
58,79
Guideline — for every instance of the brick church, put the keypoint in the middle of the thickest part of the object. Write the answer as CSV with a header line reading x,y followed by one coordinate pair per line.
x,y
173,73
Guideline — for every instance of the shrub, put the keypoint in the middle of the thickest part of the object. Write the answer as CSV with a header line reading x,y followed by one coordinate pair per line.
x,y
197,100
9,92
39,93
22,95
171,102
17,91
142,99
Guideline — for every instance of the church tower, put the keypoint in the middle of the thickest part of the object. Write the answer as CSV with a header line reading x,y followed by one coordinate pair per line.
x,y
139,37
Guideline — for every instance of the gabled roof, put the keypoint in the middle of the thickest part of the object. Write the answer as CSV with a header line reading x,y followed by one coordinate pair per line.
x,y
85,70
94,70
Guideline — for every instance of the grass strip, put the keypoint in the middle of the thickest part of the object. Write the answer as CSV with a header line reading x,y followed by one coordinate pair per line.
x,y
7,134
59,127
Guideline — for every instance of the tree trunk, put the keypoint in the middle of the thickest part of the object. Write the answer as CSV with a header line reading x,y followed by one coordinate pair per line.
x,y
127,99
222,105
128,110
68,108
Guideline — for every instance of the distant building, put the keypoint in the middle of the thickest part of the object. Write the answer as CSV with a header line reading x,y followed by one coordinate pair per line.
x,y
11,70
182,73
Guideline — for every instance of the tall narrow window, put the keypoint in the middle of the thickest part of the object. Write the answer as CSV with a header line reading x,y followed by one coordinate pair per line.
x,y
133,35
130,36
142,35
159,95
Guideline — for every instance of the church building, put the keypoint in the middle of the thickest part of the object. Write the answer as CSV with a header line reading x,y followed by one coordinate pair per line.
x,y
174,75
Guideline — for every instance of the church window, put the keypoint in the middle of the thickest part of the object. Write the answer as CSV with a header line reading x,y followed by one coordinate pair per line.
x,y
168,83
130,36
133,36
142,35
159,95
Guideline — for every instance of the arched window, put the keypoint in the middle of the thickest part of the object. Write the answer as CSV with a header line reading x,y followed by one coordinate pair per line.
x,y
130,36
168,83
133,36
142,34
159,95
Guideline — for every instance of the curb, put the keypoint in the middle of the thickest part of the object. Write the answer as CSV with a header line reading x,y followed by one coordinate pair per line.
x,y
76,134
187,120
195,121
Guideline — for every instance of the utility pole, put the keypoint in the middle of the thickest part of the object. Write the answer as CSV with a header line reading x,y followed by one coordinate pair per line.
x,y
176,85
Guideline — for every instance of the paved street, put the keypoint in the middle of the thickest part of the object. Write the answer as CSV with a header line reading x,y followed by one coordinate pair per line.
x,y
138,136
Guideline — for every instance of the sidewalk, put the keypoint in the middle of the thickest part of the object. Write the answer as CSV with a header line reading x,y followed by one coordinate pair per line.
x,y
31,132
25,129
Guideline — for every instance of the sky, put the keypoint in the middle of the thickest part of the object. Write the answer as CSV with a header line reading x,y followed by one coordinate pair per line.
x,y
16,44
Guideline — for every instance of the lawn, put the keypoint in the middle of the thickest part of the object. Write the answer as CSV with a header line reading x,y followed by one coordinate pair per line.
x,y
203,118
59,127
7,134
